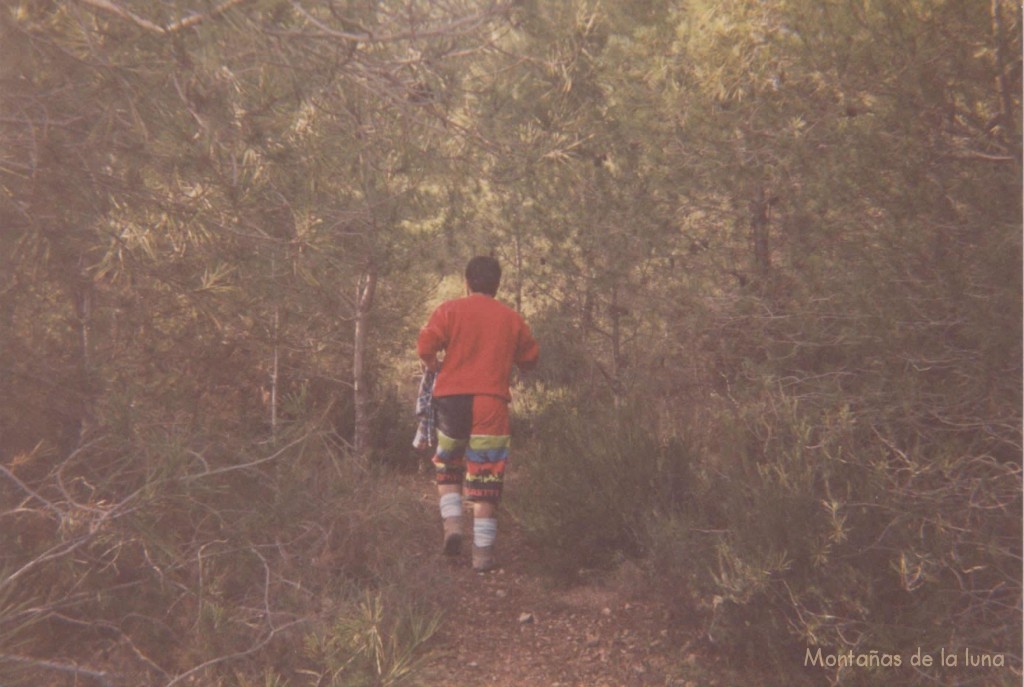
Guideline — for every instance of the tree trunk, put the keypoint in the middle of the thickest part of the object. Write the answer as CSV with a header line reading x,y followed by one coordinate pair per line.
x,y
275,370
519,269
83,394
364,303
616,312
1009,120
759,226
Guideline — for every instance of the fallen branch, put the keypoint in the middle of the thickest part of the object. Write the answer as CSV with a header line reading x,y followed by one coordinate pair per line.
x,y
31,492
99,676
243,466
241,654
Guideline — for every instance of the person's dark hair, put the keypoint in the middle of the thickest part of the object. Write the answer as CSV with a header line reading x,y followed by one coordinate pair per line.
x,y
483,274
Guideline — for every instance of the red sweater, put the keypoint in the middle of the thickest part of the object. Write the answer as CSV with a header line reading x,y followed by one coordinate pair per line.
x,y
482,338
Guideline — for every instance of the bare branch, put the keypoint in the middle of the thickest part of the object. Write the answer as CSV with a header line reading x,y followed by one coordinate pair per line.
x,y
110,7
189,22
274,631
243,466
987,157
99,676
28,490
454,27
173,27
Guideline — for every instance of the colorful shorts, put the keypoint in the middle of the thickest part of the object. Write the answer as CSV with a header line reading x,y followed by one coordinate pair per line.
x,y
472,444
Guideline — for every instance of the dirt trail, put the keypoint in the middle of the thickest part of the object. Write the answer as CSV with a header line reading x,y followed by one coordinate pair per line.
x,y
511,628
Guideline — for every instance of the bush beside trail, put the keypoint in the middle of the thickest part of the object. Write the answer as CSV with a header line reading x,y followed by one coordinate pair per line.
x,y
789,515
232,564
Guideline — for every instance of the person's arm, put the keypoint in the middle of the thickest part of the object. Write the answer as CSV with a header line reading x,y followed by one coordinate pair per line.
x,y
527,350
432,339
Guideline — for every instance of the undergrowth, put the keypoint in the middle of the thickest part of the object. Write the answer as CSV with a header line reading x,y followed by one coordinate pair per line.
x,y
171,562
790,525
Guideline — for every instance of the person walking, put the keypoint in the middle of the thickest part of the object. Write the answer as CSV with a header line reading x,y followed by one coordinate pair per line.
x,y
482,339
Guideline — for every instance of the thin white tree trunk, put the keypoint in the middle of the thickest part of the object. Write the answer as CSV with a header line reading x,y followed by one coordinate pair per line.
x,y
274,371
364,304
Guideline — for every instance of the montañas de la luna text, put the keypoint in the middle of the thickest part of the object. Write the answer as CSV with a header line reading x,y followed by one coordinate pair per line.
x,y
879,659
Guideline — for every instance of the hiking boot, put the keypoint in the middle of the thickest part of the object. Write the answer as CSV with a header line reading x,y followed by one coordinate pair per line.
x,y
452,535
483,559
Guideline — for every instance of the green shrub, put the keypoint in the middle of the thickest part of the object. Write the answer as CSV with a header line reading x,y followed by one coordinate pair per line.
x,y
373,644
795,505
813,529
593,476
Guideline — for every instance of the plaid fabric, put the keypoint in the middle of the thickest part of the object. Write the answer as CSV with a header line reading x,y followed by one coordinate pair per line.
x,y
426,430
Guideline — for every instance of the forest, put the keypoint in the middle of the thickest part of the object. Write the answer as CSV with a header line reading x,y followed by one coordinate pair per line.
x,y
771,250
